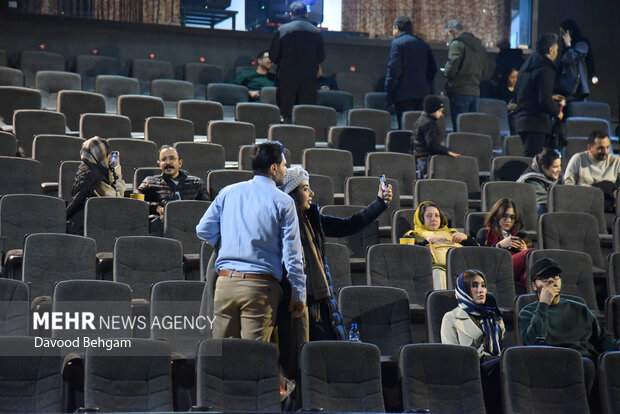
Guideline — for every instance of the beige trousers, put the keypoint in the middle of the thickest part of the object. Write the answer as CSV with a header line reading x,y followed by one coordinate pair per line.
x,y
245,308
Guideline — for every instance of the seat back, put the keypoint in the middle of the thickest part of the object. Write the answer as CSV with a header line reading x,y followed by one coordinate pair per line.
x,y
201,157
589,109
27,123
379,121
75,103
11,77
333,379
509,168
261,115
398,141
8,144
104,126
167,131
402,222
90,66
612,315
582,127
459,169
321,118
323,188
107,218
513,146
340,101
609,367
479,146
523,195
358,84
359,242
226,93
361,191
218,179
441,378
579,199
114,85
32,61
52,81
134,153
613,275
401,266
497,108
337,256
394,165
146,70
172,89
66,176
496,264
238,375
231,135
295,138
50,258
376,100
268,95
180,222
52,150
202,74
449,195
13,98
14,308
530,374
200,113
138,108
334,163
145,370
482,124
21,176
438,303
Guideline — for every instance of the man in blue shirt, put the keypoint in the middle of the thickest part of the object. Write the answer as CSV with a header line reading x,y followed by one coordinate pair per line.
x,y
255,225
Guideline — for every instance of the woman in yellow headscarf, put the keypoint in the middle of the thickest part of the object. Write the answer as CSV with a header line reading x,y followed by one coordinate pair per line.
x,y
430,228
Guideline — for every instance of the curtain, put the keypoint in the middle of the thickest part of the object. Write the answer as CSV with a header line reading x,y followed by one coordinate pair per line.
x,y
489,20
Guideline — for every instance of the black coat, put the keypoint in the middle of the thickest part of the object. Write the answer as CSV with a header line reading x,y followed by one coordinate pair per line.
x,y
297,49
426,138
533,93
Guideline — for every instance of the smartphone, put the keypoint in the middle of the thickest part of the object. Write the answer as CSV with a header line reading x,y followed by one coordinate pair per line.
x,y
383,185
114,159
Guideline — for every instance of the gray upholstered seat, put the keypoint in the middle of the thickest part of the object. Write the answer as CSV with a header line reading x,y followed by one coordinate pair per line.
x,y
30,379
138,108
52,257
201,157
381,314
91,66
268,95
323,188
482,124
51,150
295,138
136,379
398,141
609,381
513,146
613,275
378,120
496,264
27,123
400,167
579,199
32,61
231,135
146,70
237,375
376,100
321,118
134,153
531,374
21,176
438,303
218,179
479,146
11,77
358,140
261,115
474,222
14,309
141,173
334,379
612,315
361,191
409,118
8,144
75,103
460,169
498,108
227,93
50,82
341,101
337,256
582,126
523,195
104,126
449,195
441,378
402,266
113,86
359,242
66,176
334,163
13,98
509,168
167,131
200,113
358,84
172,89
202,74
402,222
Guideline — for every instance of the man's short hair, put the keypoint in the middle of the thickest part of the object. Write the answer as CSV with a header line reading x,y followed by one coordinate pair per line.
x,y
545,42
403,23
298,8
261,54
453,25
597,134
265,154
164,147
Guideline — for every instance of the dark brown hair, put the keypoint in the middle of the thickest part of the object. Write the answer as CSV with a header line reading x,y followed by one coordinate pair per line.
x,y
468,276
498,211
423,207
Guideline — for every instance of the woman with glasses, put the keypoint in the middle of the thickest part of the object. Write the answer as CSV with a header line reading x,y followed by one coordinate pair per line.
x,y
503,229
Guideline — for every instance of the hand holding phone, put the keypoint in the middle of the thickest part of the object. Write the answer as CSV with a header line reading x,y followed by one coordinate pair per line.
x,y
383,186
113,159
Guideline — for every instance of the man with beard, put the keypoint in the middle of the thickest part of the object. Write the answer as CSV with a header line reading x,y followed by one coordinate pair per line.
x,y
254,225
172,184
257,79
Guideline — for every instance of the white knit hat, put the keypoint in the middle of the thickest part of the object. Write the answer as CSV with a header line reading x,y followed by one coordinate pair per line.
x,y
294,176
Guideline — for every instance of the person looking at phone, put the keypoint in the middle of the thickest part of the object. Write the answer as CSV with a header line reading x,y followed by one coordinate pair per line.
x,y
556,321
503,229
172,184
426,136
99,175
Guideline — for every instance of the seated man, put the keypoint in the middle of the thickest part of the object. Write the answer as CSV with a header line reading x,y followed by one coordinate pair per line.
x,y
257,79
556,321
172,184
596,167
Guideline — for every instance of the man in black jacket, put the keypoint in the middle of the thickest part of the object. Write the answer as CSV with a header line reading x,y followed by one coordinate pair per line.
x,y
297,49
172,184
534,93
426,136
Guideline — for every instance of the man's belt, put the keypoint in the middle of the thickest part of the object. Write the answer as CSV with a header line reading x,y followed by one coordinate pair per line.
x,y
241,275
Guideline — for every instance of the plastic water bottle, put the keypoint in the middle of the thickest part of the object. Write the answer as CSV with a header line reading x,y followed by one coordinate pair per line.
x,y
354,333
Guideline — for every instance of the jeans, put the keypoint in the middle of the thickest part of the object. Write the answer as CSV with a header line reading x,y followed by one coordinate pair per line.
x,y
422,168
460,104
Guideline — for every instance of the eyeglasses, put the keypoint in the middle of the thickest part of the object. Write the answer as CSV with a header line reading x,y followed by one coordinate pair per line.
x,y
549,279
510,217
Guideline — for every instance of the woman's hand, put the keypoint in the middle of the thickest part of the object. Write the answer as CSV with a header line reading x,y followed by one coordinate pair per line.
x,y
505,243
566,38
437,240
388,194
521,245
459,237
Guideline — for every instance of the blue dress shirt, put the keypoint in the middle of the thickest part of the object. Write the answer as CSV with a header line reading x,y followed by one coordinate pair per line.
x,y
256,227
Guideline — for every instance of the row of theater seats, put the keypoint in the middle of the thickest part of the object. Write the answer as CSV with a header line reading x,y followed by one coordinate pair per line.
x,y
238,375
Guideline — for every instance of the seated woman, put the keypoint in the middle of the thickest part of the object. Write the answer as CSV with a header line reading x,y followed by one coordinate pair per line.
x,y
477,322
430,228
325,321
543,174
502,229
95,178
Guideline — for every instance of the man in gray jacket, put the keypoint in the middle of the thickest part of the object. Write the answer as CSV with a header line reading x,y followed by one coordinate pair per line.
x,y
466,65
